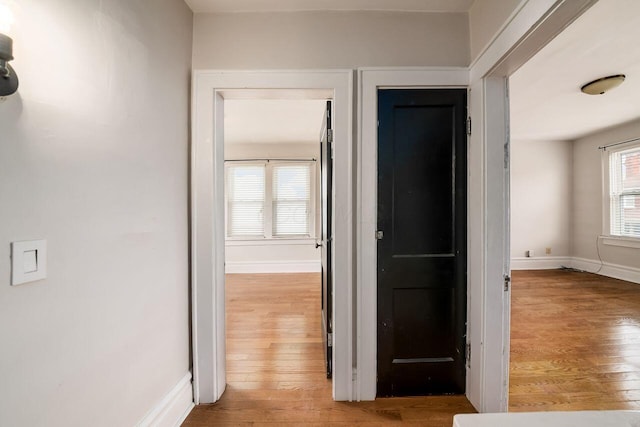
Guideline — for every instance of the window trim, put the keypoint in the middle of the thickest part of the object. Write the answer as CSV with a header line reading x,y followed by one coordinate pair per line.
x,y
621,241
268,200
607,237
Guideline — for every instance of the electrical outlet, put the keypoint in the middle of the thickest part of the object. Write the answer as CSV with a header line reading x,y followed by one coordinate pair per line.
x,y
548,251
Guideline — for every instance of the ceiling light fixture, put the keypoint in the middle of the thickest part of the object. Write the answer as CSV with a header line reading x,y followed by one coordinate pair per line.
x,y
8,77
602,85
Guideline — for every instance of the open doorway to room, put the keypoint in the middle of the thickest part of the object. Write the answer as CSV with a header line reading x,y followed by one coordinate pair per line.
x,y
213,90
575,328
278,190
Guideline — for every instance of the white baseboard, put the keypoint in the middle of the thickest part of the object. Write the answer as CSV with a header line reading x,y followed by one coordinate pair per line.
x,y
616,271
622,272
540,263
173,409
248,267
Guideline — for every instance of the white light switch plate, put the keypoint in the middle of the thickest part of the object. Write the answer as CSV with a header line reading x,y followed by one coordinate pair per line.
x,y
28,261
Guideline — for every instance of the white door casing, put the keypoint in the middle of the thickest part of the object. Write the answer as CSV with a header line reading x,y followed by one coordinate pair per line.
x,y
370,80
207,215
532,25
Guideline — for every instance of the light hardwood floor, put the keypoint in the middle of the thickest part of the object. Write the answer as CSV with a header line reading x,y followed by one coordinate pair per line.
x,y
275,365
575,342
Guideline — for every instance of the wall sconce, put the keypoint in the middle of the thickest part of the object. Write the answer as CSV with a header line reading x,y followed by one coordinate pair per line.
x,y
8,76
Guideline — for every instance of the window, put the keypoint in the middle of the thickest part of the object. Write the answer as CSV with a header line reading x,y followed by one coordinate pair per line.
x,y
624,192
291,200
270,199
246,200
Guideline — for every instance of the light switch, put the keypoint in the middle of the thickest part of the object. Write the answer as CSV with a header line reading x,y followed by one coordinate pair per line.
x,y
28,261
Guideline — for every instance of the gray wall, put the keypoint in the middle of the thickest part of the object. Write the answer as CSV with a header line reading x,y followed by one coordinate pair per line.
x,y
541,197
557,197
94,159
329,40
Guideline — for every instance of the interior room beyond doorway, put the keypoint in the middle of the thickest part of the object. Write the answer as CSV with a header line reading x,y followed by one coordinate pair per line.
x,y
575,328
275,246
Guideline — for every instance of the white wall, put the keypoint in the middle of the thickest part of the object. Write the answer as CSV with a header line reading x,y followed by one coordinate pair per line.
x,y
486,18
94,158
283,255
541,197
587,217
321,40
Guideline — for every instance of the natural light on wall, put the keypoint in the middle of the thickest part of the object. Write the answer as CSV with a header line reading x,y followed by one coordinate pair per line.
x,y
8,76
6,20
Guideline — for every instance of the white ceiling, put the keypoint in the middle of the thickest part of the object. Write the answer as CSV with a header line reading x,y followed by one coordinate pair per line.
x,y
203,6
273,121
546,102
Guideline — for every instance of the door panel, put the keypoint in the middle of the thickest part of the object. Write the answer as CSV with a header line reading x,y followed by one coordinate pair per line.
x,y
326,169
422,252
417,208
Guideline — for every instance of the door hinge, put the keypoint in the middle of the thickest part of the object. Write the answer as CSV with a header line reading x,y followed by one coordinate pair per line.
x,y
468,125
507,281
468,354
379,235
330,340
330,135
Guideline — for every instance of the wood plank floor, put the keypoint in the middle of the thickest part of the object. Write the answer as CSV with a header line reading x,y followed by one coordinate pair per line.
x,y
275,365
575,342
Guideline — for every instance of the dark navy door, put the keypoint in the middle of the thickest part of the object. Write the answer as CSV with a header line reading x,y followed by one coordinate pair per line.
x,y
422,219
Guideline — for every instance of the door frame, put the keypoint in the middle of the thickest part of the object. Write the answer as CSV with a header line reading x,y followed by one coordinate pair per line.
x,y
530,27
370,80
207,218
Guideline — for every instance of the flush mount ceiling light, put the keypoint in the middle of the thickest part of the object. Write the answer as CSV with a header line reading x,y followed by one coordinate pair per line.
x,y
602,85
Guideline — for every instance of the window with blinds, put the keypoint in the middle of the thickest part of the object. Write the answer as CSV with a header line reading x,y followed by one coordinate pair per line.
x,y
246,200
270,199
291,200
624,192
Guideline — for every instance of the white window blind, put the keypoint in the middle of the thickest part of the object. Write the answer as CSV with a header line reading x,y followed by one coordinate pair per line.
x,y
624,192
246,200
291,200
270,199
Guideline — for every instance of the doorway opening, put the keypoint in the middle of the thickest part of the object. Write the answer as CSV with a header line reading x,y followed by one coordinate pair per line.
x,y
213,90
277,245
574,333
